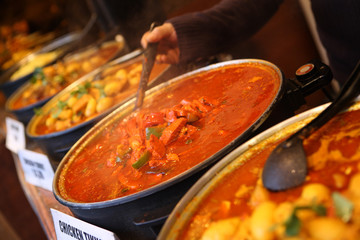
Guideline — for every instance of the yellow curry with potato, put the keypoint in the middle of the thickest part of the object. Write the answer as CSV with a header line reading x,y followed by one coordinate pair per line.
x,y
93,97
325,207
50,80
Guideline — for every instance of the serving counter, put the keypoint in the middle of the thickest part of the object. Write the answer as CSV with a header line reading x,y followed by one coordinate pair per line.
x,y
41,200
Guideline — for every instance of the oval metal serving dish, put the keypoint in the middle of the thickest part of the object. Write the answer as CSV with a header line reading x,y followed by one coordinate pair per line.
x,y
46,82
55,132
136,215
240,171
60,44
20,44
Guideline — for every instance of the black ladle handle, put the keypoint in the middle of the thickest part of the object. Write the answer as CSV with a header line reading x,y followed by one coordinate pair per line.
x,y
349,92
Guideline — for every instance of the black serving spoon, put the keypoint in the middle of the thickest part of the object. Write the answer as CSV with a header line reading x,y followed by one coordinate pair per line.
x,y
147,65
286,166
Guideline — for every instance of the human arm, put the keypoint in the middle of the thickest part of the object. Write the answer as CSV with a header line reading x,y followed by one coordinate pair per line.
x,y
202,34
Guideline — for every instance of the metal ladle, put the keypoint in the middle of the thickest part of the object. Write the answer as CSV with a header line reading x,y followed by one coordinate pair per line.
x,y
286,166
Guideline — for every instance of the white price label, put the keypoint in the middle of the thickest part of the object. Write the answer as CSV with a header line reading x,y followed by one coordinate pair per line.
x,y
37,168
70,228
15,135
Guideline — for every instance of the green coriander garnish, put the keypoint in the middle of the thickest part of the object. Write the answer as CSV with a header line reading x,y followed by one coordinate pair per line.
x,y
38,111
293,223
343,207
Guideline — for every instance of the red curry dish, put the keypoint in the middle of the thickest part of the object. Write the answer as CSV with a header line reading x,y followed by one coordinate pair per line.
x,y
177,128
325,207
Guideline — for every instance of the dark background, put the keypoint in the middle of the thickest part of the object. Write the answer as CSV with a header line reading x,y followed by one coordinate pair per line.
x,y
285,41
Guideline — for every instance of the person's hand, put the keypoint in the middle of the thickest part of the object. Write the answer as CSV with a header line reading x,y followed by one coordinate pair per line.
x,y
168,49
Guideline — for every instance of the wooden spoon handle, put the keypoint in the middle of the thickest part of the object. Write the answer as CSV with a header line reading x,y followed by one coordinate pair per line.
x,y
147,64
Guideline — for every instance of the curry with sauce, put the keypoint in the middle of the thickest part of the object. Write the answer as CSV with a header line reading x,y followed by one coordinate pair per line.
x,y
38,61
176,129
325,207
48,81
17,42
94,96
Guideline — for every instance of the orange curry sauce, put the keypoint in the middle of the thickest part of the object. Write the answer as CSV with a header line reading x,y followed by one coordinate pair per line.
x,y
227,101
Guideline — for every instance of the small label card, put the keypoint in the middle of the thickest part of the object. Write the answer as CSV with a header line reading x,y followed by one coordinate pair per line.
x,y
15,135
70,228
37,168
